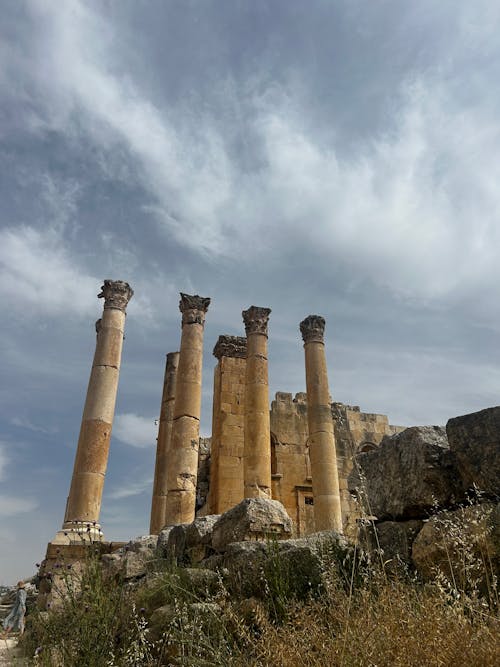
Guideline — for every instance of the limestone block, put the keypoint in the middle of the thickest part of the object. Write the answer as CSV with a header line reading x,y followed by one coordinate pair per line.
x,y
162,542
475,441
461,544
408,476
251,519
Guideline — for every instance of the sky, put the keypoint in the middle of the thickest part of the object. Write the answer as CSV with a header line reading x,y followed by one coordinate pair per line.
x,y
327,157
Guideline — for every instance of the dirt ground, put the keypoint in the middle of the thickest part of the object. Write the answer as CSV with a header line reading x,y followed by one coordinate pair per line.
x,y
9,653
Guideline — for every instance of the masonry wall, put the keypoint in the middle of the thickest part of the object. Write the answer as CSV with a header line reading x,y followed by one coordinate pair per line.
x,y
226,466
290,464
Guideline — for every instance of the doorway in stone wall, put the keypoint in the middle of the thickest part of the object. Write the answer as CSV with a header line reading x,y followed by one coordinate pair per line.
x,y
305,510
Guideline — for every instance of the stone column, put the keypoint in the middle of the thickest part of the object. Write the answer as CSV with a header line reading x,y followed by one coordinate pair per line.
x,y
183,463
226,461
84,500
325,478
257,449
158,504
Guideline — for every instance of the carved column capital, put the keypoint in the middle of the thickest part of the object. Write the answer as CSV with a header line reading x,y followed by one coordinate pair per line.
x,y
256,320
193,308
312,329
231,346
116,294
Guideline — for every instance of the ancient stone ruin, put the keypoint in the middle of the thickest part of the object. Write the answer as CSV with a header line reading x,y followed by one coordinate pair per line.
x,y
298,466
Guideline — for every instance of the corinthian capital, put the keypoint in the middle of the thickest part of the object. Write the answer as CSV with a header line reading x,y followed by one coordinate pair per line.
x,y
312,329
256,320
231,346
193,308
116,294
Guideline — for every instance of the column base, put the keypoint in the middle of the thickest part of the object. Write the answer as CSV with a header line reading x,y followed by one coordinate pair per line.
x,y
78,532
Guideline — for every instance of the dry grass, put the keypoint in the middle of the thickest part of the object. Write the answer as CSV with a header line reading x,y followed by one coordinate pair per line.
x,y
398,624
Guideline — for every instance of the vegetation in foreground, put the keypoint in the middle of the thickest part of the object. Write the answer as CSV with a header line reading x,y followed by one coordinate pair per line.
x,y
355,613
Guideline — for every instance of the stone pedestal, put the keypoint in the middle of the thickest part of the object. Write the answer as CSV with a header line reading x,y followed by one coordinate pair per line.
x,y
325,479
158,504
83,506
228,422
257,448
183,459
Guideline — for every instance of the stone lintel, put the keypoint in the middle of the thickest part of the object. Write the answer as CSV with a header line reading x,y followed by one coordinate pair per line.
x,y
256,319
193,308
116,294
231,346
313,329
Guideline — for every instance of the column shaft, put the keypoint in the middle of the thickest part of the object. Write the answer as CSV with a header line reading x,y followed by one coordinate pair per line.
x,y
227,450
257,438
325,479
160,487
85,495
183,459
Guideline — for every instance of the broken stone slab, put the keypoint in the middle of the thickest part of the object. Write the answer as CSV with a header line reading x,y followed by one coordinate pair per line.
x,y
188,543
133,559
463,545
475,441
409,476
251,519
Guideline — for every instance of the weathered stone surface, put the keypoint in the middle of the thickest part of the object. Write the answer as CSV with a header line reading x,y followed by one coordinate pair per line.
x,y
198,538
143,544
475,441
132,560
252,568
188,543
408,476
394,538
252,519
464,545
161,546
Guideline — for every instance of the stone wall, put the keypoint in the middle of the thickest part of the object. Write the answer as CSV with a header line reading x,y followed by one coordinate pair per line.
x,y
290,464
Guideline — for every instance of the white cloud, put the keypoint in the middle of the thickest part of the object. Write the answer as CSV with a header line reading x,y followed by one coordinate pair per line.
x,y
10,505
129,489
135,430
414,209
38,272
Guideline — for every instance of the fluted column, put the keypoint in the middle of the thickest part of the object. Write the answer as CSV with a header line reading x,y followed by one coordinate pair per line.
x,y
325,478
257,438
158,504
85,494
183,459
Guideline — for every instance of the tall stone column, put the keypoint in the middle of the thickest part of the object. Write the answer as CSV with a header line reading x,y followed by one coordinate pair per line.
x,y
183,461
257,447
163,446
325,478
226,458
85,494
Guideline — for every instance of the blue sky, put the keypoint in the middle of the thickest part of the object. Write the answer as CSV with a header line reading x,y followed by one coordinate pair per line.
x,y
330,157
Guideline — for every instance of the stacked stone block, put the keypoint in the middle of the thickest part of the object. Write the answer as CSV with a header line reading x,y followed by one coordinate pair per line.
x,y
227,449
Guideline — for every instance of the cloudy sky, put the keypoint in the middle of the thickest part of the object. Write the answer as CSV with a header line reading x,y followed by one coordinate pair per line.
x,y
336,157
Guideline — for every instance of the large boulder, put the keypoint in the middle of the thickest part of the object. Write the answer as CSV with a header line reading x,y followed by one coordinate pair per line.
x,y
292,568
475,441
463,545
410,475
188,543
132,560
252,519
